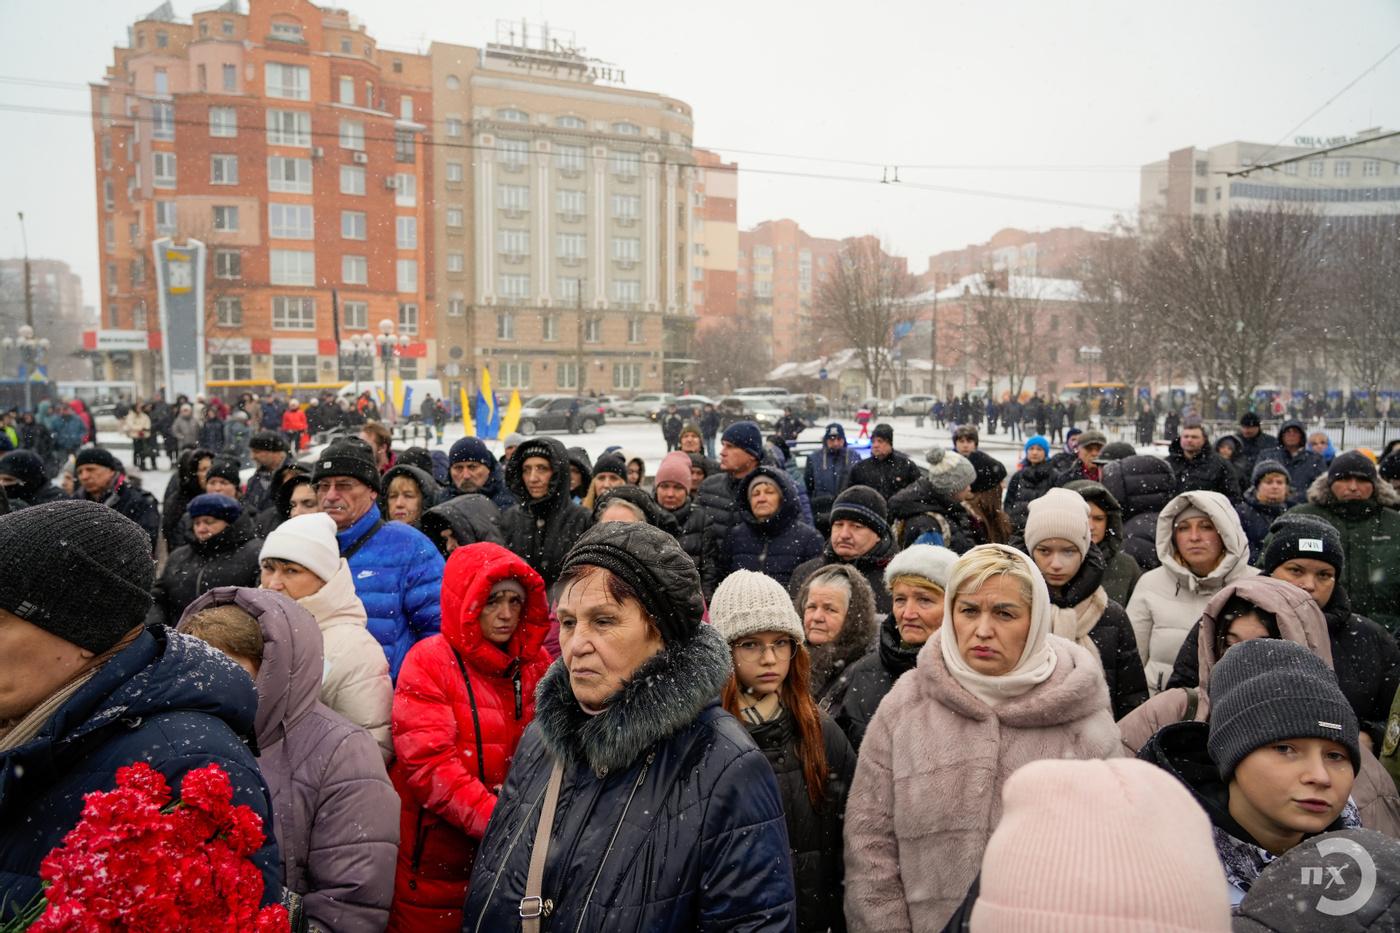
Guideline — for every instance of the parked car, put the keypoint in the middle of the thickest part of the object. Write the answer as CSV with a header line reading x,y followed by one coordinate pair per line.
x,y
646,403
689,407
612,405
809,406
734,408
551,413
912,404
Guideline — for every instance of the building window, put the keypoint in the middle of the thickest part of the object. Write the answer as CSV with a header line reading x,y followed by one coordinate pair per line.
x,y
514,153
355,314
625,164
352,179
626,206
1202,166
1370,168
566,375
162,121
290,222
288,82
1200,195
626,249
1316,169
571,245
293,312
345,46
403,146
511,115
162,39
570,158
223,121
228,311
569,202
1290,168
454,172
626,291
406,232
167,223
453,83
456,307
113,316
549,327
346,90
163,175
225,219
453,126
352,225
289,128
514,285
569,288
408,318
627,375
228,264
230,77
627,129
455,262
354,270
109,234
137,270
227,27
352,134
109,195
223,170
405,189
592,330
1341,168
505,325
162,82
452,217
230,367
407,275
514,197
570,123
634,330
514,242
515,375
406,108
292,267
106,152
293,368
288,174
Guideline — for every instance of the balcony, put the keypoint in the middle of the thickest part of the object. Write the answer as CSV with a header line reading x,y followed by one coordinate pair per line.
x,y
625,264
625,220
514,212
570,217
514,258
571,260
512,165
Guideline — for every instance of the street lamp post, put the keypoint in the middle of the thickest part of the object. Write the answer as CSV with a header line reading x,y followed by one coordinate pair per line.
x,y
1090,355
389,343
32,353
28,292
359,347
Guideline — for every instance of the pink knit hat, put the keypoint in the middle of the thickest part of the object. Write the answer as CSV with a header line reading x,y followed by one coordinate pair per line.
x,y
1100,847
675,468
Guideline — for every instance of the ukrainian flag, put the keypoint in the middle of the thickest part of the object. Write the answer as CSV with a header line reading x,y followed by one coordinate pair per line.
x,y
488,413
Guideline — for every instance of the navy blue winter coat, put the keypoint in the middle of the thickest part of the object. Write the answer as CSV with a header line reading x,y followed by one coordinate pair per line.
x,y
166,699
774,547
826,472
1303,466
398,576
669,816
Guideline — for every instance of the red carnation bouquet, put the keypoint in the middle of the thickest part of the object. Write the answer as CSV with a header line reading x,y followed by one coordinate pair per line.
x,y
138,861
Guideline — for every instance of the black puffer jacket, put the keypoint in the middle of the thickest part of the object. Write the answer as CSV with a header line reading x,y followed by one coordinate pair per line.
x,y
886,476
1256,517
870,678
1207,471
669,818
181,488
690,530
776,546
543,530
229,558
1121,572
471,517
870,565
1364,657
921,510
1025,486
719,503
832,662
1252,449
1112,635
814,833
1142,485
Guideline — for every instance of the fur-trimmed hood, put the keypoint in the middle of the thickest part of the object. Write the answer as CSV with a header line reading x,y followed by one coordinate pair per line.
x,y
664,695
1383,496
857,636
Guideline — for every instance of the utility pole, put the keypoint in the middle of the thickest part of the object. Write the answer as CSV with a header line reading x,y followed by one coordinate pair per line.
x,y
28,292
933,343
578,361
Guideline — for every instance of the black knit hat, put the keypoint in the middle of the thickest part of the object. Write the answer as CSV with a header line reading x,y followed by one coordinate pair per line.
x,y
77,569
215,505
884,432
350,457
1249,420
746,436
1389,468
1352,464
28,468
1266,690
1307,536
611,463
864,505
98,456
653,564
268,440
471,450
224,468
1115,451
990,471
1264,467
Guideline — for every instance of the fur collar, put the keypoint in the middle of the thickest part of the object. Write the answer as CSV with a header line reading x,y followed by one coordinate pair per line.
x,y
1320,494
664,695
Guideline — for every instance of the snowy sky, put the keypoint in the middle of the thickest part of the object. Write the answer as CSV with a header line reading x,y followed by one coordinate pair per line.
x,y
1060,102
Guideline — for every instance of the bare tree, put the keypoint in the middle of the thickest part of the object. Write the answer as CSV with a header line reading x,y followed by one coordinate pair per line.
x,y
1362,304
729,354
1003,329
861,299
1125,323
1236,291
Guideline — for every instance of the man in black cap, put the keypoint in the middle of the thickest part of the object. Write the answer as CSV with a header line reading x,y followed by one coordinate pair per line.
x,y
102,478
888,470
86,688
472,468
1253,443
827,470
397,570
1086,464
271,454
860,536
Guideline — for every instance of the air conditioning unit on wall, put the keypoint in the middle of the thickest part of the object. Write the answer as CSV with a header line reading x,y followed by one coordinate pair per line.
x,y
361,158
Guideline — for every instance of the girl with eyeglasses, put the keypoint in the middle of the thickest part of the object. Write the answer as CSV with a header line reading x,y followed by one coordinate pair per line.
x,y
770,693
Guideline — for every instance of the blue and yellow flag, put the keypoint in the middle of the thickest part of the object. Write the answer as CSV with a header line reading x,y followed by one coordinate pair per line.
x,y
488,413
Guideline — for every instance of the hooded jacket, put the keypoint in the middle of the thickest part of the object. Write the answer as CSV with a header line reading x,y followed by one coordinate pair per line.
x,y
179,490
826,472
870,565
1206,472
428,488
928,784
832,662
33,486
1169,599
774,546
924,515
332,801
460,708
1304,465
543,530
166,699
355,680
1299,620
471,517
870,678
1370,532
229,558
397,574
1143,485
669,817
1121,572
1252,450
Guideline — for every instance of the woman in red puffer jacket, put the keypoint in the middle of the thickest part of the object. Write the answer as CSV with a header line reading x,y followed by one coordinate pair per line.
x,y
462,701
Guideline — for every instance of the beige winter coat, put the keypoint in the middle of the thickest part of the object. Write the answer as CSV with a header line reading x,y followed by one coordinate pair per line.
x,y
927,789
1299,620
355,682
1169,599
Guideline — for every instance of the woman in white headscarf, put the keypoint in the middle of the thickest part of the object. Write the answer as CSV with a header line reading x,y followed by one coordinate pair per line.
x,y
993,691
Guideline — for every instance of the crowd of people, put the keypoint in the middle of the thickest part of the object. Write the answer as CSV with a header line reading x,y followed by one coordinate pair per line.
x,y
535,689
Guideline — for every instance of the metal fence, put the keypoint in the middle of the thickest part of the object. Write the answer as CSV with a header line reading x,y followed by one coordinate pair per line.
x,y
1345,433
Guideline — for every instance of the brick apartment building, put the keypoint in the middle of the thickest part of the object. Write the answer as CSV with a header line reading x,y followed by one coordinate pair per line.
x,y
715,252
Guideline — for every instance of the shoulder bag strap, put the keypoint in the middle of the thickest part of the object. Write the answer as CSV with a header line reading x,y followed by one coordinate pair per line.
x,y
476,718
532,905
354,548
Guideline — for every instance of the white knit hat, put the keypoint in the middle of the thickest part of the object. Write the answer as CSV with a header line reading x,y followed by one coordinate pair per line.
x,y
308,540
747,603
928,561
1059,513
